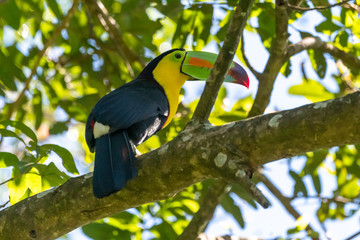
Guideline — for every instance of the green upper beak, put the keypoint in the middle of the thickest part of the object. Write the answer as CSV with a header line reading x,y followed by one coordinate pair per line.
x,y
199,64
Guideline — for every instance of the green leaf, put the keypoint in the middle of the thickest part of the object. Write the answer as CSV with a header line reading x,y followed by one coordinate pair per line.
x,y
22,127
314,159
165,230
7,133
316,181
286,69
51,176
299,184
266,27
64,154
9,12
58,127
55,8
24,185
327,27
37,107
342,38
219,103
8,159
7,80
238,190
318,62
312,90
351,189
228,204
184,28
101,231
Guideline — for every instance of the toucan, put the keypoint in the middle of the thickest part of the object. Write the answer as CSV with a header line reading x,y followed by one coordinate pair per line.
x,y
135,111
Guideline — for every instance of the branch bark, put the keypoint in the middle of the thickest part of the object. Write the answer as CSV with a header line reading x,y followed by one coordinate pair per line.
x,y
196,154
223,62
275,61
201,219
316,43
237,24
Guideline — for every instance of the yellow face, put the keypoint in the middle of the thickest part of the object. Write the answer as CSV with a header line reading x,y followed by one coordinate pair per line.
x,y
168,71
168,74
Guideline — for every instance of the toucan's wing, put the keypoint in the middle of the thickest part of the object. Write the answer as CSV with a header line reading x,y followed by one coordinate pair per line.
x,y
132,103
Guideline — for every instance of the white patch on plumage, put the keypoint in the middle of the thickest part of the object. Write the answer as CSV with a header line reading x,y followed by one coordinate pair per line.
x,y
100,129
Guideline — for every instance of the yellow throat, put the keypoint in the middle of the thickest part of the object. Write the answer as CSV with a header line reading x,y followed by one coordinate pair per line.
x,y
167,73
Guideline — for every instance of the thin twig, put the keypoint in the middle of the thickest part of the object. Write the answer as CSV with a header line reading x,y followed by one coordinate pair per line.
x,y
256,73
319,8
353,236
335,199
111,26
3,205
6,181
284,200
352,6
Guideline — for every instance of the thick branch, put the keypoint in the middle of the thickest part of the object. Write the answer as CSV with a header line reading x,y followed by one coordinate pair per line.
x,y
223,62
196,154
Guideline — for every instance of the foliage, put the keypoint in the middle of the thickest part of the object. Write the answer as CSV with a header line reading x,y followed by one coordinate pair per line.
x,y
64,69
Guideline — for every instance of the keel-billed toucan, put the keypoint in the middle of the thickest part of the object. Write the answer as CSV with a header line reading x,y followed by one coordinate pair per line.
x,y
135,111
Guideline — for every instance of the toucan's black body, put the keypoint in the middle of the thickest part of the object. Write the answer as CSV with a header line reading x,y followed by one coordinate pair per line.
x,y
134,112
137,110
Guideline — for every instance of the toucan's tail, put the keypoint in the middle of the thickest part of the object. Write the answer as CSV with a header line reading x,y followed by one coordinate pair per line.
x,y
114,163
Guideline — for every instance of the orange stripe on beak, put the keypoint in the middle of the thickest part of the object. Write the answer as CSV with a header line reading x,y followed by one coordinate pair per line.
x,y
198,62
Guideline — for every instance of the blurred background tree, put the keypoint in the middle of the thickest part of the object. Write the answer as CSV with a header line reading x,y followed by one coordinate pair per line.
x,y
58,58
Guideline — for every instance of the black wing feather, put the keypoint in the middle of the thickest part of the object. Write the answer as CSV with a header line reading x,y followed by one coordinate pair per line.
x,y
131,103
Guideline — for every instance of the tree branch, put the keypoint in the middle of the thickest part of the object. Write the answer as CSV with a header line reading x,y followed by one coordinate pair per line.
x,y
352,6
316,43
319,8
236,27
275,61
200,220
111,26
286,202
223,62
191,157
252,69
226,237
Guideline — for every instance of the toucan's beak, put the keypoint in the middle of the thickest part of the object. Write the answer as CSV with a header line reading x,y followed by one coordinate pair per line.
x,y
199,64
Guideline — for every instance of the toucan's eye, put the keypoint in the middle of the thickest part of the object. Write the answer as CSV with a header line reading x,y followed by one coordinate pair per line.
x,y
177,55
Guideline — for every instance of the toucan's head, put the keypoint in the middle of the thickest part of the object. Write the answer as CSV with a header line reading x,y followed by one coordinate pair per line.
x,y
179,65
